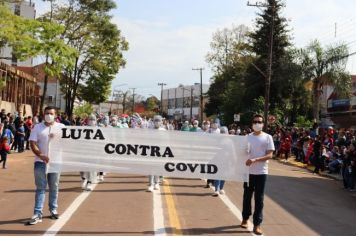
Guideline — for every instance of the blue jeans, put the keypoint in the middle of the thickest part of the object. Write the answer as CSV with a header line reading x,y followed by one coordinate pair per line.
x,y
41,180
256,184
219,185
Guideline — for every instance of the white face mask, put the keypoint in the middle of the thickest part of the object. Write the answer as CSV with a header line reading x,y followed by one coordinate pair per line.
x,y
49,118
257,127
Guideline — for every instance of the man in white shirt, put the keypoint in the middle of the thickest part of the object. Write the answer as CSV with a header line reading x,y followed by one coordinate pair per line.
x,y
261,148
39,141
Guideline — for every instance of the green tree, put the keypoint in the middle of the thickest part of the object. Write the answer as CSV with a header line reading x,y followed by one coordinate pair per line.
x,y
83,110
325,66
152,103
31,38
259,46
228,60
88,28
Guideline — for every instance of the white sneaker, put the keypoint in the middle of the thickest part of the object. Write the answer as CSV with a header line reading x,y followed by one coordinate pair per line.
x,y
89,187
150,188
101,178
84,184
156,187
222,192
215,194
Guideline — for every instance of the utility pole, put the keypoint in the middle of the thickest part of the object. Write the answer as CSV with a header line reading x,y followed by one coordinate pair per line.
x,y
270,56
201,94
133,99
161,106
191,102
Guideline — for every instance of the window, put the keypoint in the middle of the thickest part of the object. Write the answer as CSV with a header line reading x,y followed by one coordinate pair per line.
x,y
50,99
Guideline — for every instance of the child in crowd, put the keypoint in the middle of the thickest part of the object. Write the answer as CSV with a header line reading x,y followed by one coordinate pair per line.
x,y
4,150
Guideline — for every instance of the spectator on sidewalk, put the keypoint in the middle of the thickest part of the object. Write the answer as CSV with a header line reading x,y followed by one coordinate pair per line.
x,y
4,150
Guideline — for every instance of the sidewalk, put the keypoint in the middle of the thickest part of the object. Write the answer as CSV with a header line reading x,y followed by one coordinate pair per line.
x,y
292,162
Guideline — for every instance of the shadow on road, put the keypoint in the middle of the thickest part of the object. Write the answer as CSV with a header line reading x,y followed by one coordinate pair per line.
x,y
320,203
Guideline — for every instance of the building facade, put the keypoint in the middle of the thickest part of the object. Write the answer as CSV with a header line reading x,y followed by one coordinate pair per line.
x,y
18,90
25,9
338,112
54,96
183,102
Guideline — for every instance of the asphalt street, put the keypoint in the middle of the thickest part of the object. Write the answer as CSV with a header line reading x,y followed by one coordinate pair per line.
x,y
296,203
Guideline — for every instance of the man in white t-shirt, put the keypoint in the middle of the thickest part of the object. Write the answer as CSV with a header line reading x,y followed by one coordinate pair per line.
x,y
39,141
261,148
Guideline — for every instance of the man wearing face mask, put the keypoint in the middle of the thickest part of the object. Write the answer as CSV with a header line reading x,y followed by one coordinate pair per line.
x,y
39,142
261,148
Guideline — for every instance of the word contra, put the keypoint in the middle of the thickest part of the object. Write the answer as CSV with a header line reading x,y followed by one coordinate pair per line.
x,y
143,150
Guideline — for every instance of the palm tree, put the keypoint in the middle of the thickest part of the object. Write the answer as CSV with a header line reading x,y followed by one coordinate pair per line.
x,y
323,66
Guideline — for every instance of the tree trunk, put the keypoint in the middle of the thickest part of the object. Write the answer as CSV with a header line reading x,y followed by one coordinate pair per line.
x,y
316,105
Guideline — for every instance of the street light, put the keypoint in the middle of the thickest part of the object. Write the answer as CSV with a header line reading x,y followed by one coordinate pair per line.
x,y
201,93
161,108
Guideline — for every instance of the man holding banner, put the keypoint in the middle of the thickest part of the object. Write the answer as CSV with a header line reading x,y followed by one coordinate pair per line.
x,y
39,141
261,148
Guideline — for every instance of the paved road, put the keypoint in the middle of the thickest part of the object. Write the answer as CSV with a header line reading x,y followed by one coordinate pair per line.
x,y
296,203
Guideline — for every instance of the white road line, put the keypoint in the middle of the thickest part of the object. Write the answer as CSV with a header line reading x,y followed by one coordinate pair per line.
x,y
235,211
56,227
158,217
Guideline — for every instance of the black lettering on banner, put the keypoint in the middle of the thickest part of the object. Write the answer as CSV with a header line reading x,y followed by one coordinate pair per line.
x,y
155,151
192,167
120,149
144,149
77,133
212,169
168,152
64,133
99,134
181,167
168,168
72,133
132,148
202,168
107,146
87,133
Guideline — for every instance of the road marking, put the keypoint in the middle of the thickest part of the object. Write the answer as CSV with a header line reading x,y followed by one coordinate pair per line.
x,y
158,217
172,210
235,211
56,227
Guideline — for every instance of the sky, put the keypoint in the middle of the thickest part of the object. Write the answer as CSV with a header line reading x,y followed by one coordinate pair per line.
x,y
167,38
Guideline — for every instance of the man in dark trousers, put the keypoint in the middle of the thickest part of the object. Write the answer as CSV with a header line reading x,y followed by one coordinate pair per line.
x,y
261,149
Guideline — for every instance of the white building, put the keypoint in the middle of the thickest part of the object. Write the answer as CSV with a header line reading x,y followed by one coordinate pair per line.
x,y
183,102
25,9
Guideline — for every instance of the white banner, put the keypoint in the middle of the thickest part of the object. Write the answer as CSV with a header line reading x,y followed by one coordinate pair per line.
x,y
149,152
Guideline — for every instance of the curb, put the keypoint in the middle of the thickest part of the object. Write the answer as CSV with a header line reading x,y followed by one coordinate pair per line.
x,y
309,168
